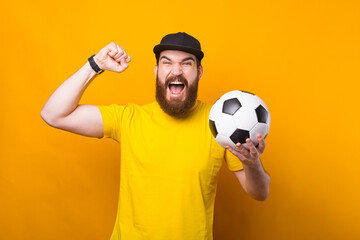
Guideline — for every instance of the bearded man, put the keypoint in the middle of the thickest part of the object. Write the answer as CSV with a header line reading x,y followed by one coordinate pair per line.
x,y
169,159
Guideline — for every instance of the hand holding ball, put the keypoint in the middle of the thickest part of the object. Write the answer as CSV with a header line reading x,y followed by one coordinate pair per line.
x,y
236,116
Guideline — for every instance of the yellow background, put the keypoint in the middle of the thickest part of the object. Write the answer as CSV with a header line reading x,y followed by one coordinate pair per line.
x,y
301,57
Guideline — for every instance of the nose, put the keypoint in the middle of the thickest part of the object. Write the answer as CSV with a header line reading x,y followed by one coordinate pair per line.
x,y
176,69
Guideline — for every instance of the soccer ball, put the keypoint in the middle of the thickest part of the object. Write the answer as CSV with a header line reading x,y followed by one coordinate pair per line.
x,y
236,116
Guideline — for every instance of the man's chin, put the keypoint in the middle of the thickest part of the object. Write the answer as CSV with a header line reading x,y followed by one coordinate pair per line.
x,y
170,98
175,106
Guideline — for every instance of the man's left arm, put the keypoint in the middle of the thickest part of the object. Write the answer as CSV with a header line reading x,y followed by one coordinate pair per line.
x,y
253,177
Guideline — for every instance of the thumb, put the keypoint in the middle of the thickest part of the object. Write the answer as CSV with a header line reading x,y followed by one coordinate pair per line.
x,y
124,63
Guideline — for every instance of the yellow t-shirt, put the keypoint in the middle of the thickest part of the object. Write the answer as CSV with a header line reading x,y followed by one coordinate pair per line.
x,y
168,173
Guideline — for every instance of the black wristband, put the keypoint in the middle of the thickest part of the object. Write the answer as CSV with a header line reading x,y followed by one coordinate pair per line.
x,y
94,66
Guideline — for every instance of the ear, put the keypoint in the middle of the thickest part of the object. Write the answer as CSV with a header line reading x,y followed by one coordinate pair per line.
x,y
200,71
155,70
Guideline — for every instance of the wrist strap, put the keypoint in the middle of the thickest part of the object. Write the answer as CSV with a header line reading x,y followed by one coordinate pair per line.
x,y
94,66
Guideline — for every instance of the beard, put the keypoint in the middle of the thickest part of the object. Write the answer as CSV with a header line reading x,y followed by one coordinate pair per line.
x,y
176,107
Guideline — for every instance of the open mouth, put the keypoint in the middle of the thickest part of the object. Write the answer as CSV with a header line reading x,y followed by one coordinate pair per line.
x,y
176,88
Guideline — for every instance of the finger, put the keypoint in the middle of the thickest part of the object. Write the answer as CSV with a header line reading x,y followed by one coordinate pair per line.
x,y
128,59
119,68
112,52
114,66
242,149
119,58
119,54
236,153
111,49
123,57
253,151
123,63
261,146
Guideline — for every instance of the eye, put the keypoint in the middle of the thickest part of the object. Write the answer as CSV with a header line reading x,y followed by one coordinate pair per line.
x,y
166,62
188,63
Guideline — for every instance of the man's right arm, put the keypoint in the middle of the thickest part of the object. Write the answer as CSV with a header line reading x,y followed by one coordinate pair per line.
x,y
62,110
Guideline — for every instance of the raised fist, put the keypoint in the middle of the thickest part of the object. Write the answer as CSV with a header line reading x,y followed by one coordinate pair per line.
x,y
113,58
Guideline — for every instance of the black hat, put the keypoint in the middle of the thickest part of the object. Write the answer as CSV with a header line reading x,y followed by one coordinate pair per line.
x,y
180,41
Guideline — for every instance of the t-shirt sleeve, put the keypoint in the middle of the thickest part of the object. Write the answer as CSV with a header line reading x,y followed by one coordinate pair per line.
x,y
111,116
232,161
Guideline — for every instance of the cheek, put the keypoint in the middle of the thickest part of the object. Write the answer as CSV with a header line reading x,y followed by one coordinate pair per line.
x,y
162,75
192,77
192,73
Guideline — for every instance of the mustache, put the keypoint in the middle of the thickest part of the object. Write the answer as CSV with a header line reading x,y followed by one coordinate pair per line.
x,y
179,78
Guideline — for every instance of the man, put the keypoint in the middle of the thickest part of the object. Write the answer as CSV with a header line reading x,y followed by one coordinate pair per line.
x,y
169,159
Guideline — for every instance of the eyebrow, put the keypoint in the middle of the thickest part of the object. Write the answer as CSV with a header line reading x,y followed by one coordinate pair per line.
x,y
188,58
185,59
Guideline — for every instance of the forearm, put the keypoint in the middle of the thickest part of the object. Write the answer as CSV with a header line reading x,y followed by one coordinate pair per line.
x,y
257,181
66,98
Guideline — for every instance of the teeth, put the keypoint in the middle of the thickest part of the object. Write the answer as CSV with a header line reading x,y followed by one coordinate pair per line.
x,y
178,83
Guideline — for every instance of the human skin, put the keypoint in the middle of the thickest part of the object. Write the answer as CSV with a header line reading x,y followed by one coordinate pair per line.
x,y
253,177
177,76
175,63
62,110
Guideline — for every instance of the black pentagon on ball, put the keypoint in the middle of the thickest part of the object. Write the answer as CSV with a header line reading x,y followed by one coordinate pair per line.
x,y
213,128
240,136
230,106
262,114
